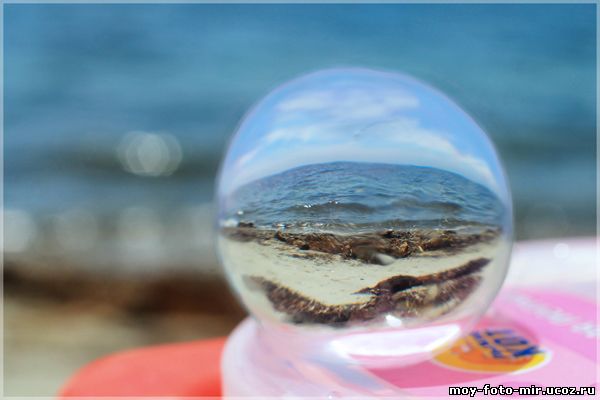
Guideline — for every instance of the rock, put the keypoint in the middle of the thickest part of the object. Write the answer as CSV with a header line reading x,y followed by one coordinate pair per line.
x,y
383,259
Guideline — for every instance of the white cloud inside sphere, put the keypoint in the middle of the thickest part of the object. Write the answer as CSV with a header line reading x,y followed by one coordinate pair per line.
x,y
354,124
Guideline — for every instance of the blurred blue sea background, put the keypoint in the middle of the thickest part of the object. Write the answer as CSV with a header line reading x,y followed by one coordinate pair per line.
x,y
116,116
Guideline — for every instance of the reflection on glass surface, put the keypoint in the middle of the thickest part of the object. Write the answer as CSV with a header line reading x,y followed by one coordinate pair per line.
x,y
355,198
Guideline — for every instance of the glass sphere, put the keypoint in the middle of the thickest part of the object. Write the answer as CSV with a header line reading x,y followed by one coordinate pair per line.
x,y
355,201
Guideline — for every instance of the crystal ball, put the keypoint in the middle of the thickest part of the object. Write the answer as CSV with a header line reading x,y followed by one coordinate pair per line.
x,y
353,200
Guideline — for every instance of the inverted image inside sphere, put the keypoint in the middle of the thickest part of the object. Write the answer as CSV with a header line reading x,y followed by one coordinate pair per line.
x,y
352,198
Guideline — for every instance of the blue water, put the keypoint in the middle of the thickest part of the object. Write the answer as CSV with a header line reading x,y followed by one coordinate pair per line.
x,y
79,77
353,196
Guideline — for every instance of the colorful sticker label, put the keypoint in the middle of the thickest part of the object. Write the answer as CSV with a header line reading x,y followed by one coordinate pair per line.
x,y
528,338
495,351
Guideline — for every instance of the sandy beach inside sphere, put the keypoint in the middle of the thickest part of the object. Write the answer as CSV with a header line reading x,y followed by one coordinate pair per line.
x,y
310,286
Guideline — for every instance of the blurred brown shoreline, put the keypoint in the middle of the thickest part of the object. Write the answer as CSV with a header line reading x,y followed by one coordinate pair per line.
x,y
62,316
179,291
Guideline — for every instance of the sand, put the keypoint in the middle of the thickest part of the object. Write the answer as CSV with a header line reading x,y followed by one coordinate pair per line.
x,y
311,286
